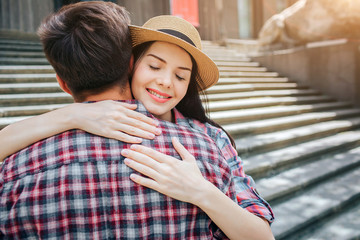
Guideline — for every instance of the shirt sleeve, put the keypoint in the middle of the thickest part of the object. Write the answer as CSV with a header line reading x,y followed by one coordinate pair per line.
x,y
246,194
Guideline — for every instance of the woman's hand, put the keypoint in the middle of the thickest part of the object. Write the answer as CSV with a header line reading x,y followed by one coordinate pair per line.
x,y
181,180
113,119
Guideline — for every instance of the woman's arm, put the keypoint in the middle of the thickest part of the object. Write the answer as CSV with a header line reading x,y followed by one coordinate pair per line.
x,y
246,193
105,118
182,180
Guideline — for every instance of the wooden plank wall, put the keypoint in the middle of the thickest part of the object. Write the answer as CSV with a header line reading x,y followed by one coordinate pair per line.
x,y
23,15
218,19
142,10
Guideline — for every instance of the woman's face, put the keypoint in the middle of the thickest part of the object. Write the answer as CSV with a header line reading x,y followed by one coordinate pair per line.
x,y
161,78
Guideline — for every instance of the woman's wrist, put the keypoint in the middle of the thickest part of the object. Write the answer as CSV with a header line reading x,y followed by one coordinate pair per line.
x,y
66,118
204,197
69,118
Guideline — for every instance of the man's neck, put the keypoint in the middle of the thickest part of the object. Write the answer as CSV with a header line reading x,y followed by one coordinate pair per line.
x,y
112,94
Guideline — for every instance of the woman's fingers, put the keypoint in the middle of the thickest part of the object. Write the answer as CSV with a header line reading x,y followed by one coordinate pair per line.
x,y
115,120
153,154
135,127
184,154
131,106
134,120
177,179
136,115
146,182
130,131
123,137
141,158
142,168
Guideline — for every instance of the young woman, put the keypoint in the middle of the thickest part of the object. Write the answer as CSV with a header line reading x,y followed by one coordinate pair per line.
x,y
168,72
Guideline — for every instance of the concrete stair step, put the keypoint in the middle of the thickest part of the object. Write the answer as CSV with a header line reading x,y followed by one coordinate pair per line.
x,y
28,77
268,93
343,226
249,74
227,56
4,121
19,111
218,59
284,138
220,51
275,124
26,69
264,102
223,81
232,116
6,41
264,164
236,64
4,54
242,69
34,98
208,43
21,48
288,182
22,61
241,87
16,88
315,204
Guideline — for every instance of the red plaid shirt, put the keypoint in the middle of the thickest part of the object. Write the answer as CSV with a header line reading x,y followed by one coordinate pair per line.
x,y
75,186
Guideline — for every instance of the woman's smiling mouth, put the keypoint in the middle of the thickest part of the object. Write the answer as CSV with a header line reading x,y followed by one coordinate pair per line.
x,y
158,96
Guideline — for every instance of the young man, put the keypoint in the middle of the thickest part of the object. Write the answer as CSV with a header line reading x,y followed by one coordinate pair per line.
x,y
75,185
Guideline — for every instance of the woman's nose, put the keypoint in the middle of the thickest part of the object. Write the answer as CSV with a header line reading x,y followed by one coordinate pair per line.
x,y
164,80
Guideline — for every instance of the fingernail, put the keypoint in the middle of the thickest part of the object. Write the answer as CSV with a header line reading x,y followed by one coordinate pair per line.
x,y
151,135
132,176
139,140
158,131
127,161
134,147
124,152
156,122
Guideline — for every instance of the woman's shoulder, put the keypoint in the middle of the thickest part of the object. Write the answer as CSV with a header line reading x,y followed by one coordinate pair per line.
x,y
207,128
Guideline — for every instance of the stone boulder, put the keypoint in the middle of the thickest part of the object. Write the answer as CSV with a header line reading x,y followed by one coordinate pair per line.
x,y
310,21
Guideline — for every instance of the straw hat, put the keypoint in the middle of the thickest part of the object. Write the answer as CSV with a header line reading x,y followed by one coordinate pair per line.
x,y
178,31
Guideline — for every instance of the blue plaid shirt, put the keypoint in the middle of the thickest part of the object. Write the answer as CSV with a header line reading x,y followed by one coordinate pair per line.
x,y
75,186
246,194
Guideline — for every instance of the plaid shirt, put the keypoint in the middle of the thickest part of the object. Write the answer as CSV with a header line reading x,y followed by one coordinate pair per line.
x,y
246,193
75,186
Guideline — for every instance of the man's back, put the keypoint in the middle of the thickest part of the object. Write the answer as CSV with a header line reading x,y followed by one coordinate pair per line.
x,y
76,185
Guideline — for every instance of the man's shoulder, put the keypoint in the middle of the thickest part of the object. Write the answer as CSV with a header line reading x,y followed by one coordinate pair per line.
x,y
57,150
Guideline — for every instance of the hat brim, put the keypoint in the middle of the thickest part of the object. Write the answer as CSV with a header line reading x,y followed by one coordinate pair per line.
x,y
207,69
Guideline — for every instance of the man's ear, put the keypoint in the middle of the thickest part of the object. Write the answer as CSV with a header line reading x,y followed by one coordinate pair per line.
x,y
63,85
131,65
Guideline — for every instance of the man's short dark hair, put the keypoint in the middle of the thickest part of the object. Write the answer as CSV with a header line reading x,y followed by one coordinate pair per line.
x,y
89,46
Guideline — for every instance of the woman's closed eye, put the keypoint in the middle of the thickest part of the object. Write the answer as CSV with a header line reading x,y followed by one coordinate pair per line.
x,y
179,77
154,67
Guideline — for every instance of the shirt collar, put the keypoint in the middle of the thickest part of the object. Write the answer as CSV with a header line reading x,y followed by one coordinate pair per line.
x,y
179,118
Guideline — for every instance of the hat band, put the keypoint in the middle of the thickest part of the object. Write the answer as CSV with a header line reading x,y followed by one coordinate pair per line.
x,y
178,35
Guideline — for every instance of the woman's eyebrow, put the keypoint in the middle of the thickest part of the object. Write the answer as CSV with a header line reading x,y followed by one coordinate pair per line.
x,y
157,57
162,60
